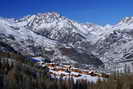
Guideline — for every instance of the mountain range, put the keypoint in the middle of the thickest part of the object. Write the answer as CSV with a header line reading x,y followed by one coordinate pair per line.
x,y
63,40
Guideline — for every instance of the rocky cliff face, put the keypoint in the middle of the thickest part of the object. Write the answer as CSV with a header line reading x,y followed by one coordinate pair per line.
x,y
119,43
60,39
66,41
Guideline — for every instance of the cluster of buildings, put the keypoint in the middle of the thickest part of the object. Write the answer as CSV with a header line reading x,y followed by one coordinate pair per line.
x,y
66,71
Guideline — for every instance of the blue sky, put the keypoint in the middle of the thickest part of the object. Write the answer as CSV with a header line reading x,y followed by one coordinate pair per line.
x,y
95,11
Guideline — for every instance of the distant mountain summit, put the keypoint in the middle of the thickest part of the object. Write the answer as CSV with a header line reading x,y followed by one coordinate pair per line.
x,y
127,20
66,41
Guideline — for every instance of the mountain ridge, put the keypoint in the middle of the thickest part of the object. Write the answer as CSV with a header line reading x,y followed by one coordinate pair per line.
x,y
36,34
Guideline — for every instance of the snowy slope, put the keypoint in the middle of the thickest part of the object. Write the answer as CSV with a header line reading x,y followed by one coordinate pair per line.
x,y
119,44
48,35
20,36
65,40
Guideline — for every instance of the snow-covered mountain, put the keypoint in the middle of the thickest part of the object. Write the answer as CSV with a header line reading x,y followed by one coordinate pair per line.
x,y
49,35
67,41
118,45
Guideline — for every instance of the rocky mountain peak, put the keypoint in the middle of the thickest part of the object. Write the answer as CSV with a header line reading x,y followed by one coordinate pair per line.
x,y
127,20
35,33
40,19
50,14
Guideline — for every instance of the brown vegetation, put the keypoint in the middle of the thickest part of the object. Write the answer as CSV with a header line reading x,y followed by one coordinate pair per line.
x,y
22,76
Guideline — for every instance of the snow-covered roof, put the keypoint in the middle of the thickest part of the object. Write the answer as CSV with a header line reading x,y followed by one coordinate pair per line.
x,y
38,59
